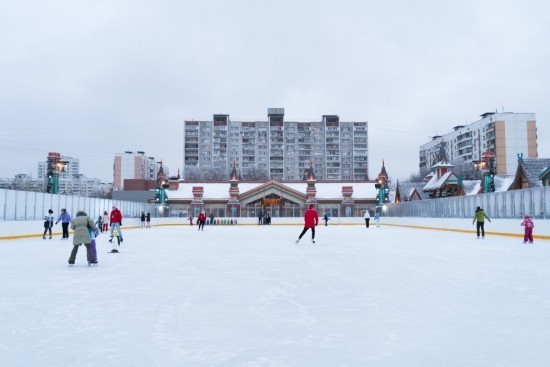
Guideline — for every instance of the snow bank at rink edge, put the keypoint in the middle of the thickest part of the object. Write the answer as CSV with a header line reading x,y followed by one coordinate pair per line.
x,y
10,230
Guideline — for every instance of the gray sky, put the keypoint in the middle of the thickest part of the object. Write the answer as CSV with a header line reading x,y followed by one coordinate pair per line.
x,y
90,79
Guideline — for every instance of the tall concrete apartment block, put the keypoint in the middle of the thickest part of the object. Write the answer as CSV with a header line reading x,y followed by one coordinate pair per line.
x,y
276,149
505,134
134,165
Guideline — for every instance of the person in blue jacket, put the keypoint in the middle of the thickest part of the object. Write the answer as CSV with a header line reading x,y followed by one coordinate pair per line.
x,y
65,219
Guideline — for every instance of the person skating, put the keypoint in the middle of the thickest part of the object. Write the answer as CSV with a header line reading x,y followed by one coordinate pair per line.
x,y
211,216
260,217
148,220
93,236
190,219
116,222
142,218
99,223
105,221
529,225
480,217
201,220
326,219
367,218
81,226
311,219
65,219
48,224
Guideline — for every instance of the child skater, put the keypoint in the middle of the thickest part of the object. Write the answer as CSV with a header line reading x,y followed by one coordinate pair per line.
x,y
93,236
529,225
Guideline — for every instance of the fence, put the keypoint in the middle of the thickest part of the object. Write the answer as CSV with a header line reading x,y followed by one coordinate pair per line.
x,y
508,204
29,205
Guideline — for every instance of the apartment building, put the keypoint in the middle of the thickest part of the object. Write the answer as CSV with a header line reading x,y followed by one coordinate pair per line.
x,y
505,134
134,165
276,149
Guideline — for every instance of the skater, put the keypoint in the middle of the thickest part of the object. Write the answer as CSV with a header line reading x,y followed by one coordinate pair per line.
x,y
377,218
65,219
81,225
326,219
105,221
142,217
148,219
367,218
529,225
48,224
260,217
92,245
211,216
267,219
116,222
480,216
190,219
311,219
201,220
99,223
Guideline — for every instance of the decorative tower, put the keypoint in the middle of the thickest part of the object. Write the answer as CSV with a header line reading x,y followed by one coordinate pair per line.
x,y
311,191
233,203
382,185
162,185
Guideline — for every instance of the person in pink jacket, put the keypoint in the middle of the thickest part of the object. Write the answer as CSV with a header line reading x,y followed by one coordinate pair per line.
x,y
529,225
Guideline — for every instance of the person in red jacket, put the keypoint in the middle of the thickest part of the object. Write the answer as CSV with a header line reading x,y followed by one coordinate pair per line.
x,y
311,219
201,220
116,222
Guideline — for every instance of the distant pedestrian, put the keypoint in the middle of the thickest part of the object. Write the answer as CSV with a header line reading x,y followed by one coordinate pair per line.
x,y
260,217
65,219
529,225
326,219
201,220
105,221
99,223
142,218
190,219
48,224
367,218
148,220
311,219
211,216
81,226
480,217
377,218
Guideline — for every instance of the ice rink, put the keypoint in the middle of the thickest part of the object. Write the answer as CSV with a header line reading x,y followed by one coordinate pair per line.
x,y
248,296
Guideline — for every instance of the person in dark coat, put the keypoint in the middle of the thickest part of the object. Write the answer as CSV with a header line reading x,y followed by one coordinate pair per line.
x,y
260,217
142,218
326,219
148,220
311,219
48,224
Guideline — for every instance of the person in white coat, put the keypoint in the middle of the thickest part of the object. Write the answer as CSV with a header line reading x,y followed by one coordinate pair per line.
x,y
367,218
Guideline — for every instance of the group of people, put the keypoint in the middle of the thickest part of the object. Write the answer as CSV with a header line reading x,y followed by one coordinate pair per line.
x,y
264,218
85,230
480,216
145,219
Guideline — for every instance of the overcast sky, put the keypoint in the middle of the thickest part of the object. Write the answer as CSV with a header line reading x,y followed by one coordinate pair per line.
x,y
90,79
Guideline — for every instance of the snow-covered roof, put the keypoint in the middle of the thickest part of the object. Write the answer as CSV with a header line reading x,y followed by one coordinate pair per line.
x,y
325,190
472,187
533,168
503,182
407,189
436,183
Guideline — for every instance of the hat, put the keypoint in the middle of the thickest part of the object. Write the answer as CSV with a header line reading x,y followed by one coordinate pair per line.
x,y
311,206
527,216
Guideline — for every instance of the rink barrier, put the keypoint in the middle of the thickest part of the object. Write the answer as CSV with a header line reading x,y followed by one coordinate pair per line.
x,y
519,235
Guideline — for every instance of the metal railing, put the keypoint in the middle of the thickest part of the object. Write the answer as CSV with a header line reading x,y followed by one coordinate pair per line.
x,y
30,205
507,204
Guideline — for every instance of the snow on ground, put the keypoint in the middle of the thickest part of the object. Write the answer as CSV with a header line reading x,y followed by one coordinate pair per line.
x,y
247,296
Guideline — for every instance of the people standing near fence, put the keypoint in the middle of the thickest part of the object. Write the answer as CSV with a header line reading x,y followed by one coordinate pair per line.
x,y
201,220
48,224
65,219
311,219
529,225
367,218
480,217
81,226
142,218
260,217
148,219
116,222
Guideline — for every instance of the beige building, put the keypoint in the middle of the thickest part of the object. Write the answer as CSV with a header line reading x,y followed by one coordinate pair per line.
x,y
505,134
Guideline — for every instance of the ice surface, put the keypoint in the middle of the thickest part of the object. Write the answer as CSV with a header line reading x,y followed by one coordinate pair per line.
x,y
248,296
